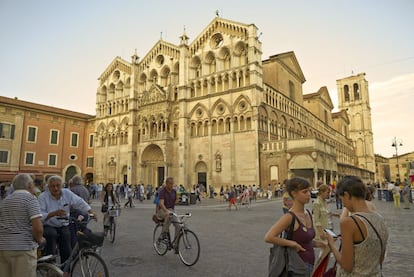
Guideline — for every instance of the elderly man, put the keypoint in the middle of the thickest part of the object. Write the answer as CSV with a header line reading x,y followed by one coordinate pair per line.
x,y
55,205
20,229
78,188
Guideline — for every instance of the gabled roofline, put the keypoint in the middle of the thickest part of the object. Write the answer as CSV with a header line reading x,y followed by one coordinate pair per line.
x,y
318,94
209,30
156,49
114,64
279,57
343,114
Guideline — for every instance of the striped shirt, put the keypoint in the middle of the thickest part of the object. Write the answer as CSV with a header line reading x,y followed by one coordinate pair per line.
x,y
66,201
16,212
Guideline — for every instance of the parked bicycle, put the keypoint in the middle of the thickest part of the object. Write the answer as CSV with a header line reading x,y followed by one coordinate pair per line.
x,y
84,261
113,213
188,245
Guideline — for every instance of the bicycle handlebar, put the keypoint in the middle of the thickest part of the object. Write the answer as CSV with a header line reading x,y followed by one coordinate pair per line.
x,y
76,219
180,215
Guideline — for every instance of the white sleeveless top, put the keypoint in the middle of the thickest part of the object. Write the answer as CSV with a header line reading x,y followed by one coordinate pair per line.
x,y
367,253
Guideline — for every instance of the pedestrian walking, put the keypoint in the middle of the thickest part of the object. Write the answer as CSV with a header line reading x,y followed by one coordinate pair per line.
x,y
130,196
406,195
232,198
396,195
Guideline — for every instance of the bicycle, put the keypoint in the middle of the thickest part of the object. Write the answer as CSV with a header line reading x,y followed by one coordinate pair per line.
x,y
84,261
113,212
188,245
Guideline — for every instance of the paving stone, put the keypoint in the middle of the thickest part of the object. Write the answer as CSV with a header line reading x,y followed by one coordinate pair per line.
x,y
231,241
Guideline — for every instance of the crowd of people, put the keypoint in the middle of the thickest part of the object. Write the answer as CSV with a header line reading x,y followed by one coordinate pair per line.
x,y
33,213
139,191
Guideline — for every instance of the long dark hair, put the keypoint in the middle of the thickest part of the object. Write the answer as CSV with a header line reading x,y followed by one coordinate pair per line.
x,y
111,192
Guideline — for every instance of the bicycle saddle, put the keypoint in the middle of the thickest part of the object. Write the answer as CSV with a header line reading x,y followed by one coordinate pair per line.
x,y
47,259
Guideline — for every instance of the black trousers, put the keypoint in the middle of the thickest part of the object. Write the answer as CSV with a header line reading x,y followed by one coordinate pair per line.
x,y
57,236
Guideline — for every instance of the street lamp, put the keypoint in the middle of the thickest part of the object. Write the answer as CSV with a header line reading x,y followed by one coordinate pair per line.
x,y
395,143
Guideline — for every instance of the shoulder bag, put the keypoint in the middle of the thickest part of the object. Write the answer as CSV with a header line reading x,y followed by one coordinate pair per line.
x,y
284,260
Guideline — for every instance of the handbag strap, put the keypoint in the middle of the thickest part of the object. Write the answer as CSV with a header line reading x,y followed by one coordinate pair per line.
x,y
372,226
291,226
359,227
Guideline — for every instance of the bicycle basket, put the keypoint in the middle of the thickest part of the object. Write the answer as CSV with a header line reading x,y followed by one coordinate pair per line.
x,y
88,239
114,212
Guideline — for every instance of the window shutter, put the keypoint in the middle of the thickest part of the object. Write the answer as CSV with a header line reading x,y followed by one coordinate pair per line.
x,y
12,131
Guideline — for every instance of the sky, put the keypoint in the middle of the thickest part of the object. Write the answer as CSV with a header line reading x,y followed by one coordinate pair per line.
x,y
52,52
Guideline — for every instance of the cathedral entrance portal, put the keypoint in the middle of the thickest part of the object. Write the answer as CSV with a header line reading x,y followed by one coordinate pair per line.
x,y
202,179
201,170
161,176
152,166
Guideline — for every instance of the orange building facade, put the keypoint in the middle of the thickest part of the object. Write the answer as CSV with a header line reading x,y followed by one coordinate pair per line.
x,y
44,141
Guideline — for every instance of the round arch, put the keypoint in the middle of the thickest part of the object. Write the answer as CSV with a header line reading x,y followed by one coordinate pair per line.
x,y
153,165
201,169
69,171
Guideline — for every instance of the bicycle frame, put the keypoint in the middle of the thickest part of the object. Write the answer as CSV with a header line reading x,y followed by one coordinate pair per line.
x,y
84,244
184,240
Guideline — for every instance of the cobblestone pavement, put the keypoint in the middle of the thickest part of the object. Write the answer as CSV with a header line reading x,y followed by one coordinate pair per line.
x,y
231,241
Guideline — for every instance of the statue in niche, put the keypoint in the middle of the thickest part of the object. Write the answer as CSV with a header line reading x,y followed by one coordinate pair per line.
x,y
112,162
218,161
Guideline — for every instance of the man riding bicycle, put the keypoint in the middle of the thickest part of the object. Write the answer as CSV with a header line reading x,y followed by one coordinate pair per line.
x,y
167,200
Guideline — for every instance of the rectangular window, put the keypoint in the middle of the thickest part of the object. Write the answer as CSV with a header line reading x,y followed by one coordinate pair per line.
x,y
74,139
7,131
91,138
29,158
54,137
89,162
274,172
52,160
31,134
4,156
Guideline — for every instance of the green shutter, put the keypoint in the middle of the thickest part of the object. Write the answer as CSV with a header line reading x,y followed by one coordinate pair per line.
x,y
12,131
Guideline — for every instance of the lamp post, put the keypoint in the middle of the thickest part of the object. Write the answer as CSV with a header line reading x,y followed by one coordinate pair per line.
x,y
395,143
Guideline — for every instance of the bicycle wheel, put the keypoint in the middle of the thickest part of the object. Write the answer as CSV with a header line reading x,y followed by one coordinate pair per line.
x,y
89,264
188,247
112,229
160,244
48,270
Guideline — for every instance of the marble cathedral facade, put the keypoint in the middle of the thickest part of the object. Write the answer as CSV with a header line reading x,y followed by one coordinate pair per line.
x,y
213,111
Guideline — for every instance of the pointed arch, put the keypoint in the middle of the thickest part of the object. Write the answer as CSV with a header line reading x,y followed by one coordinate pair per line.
x,y
195,113
120,85
220,108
